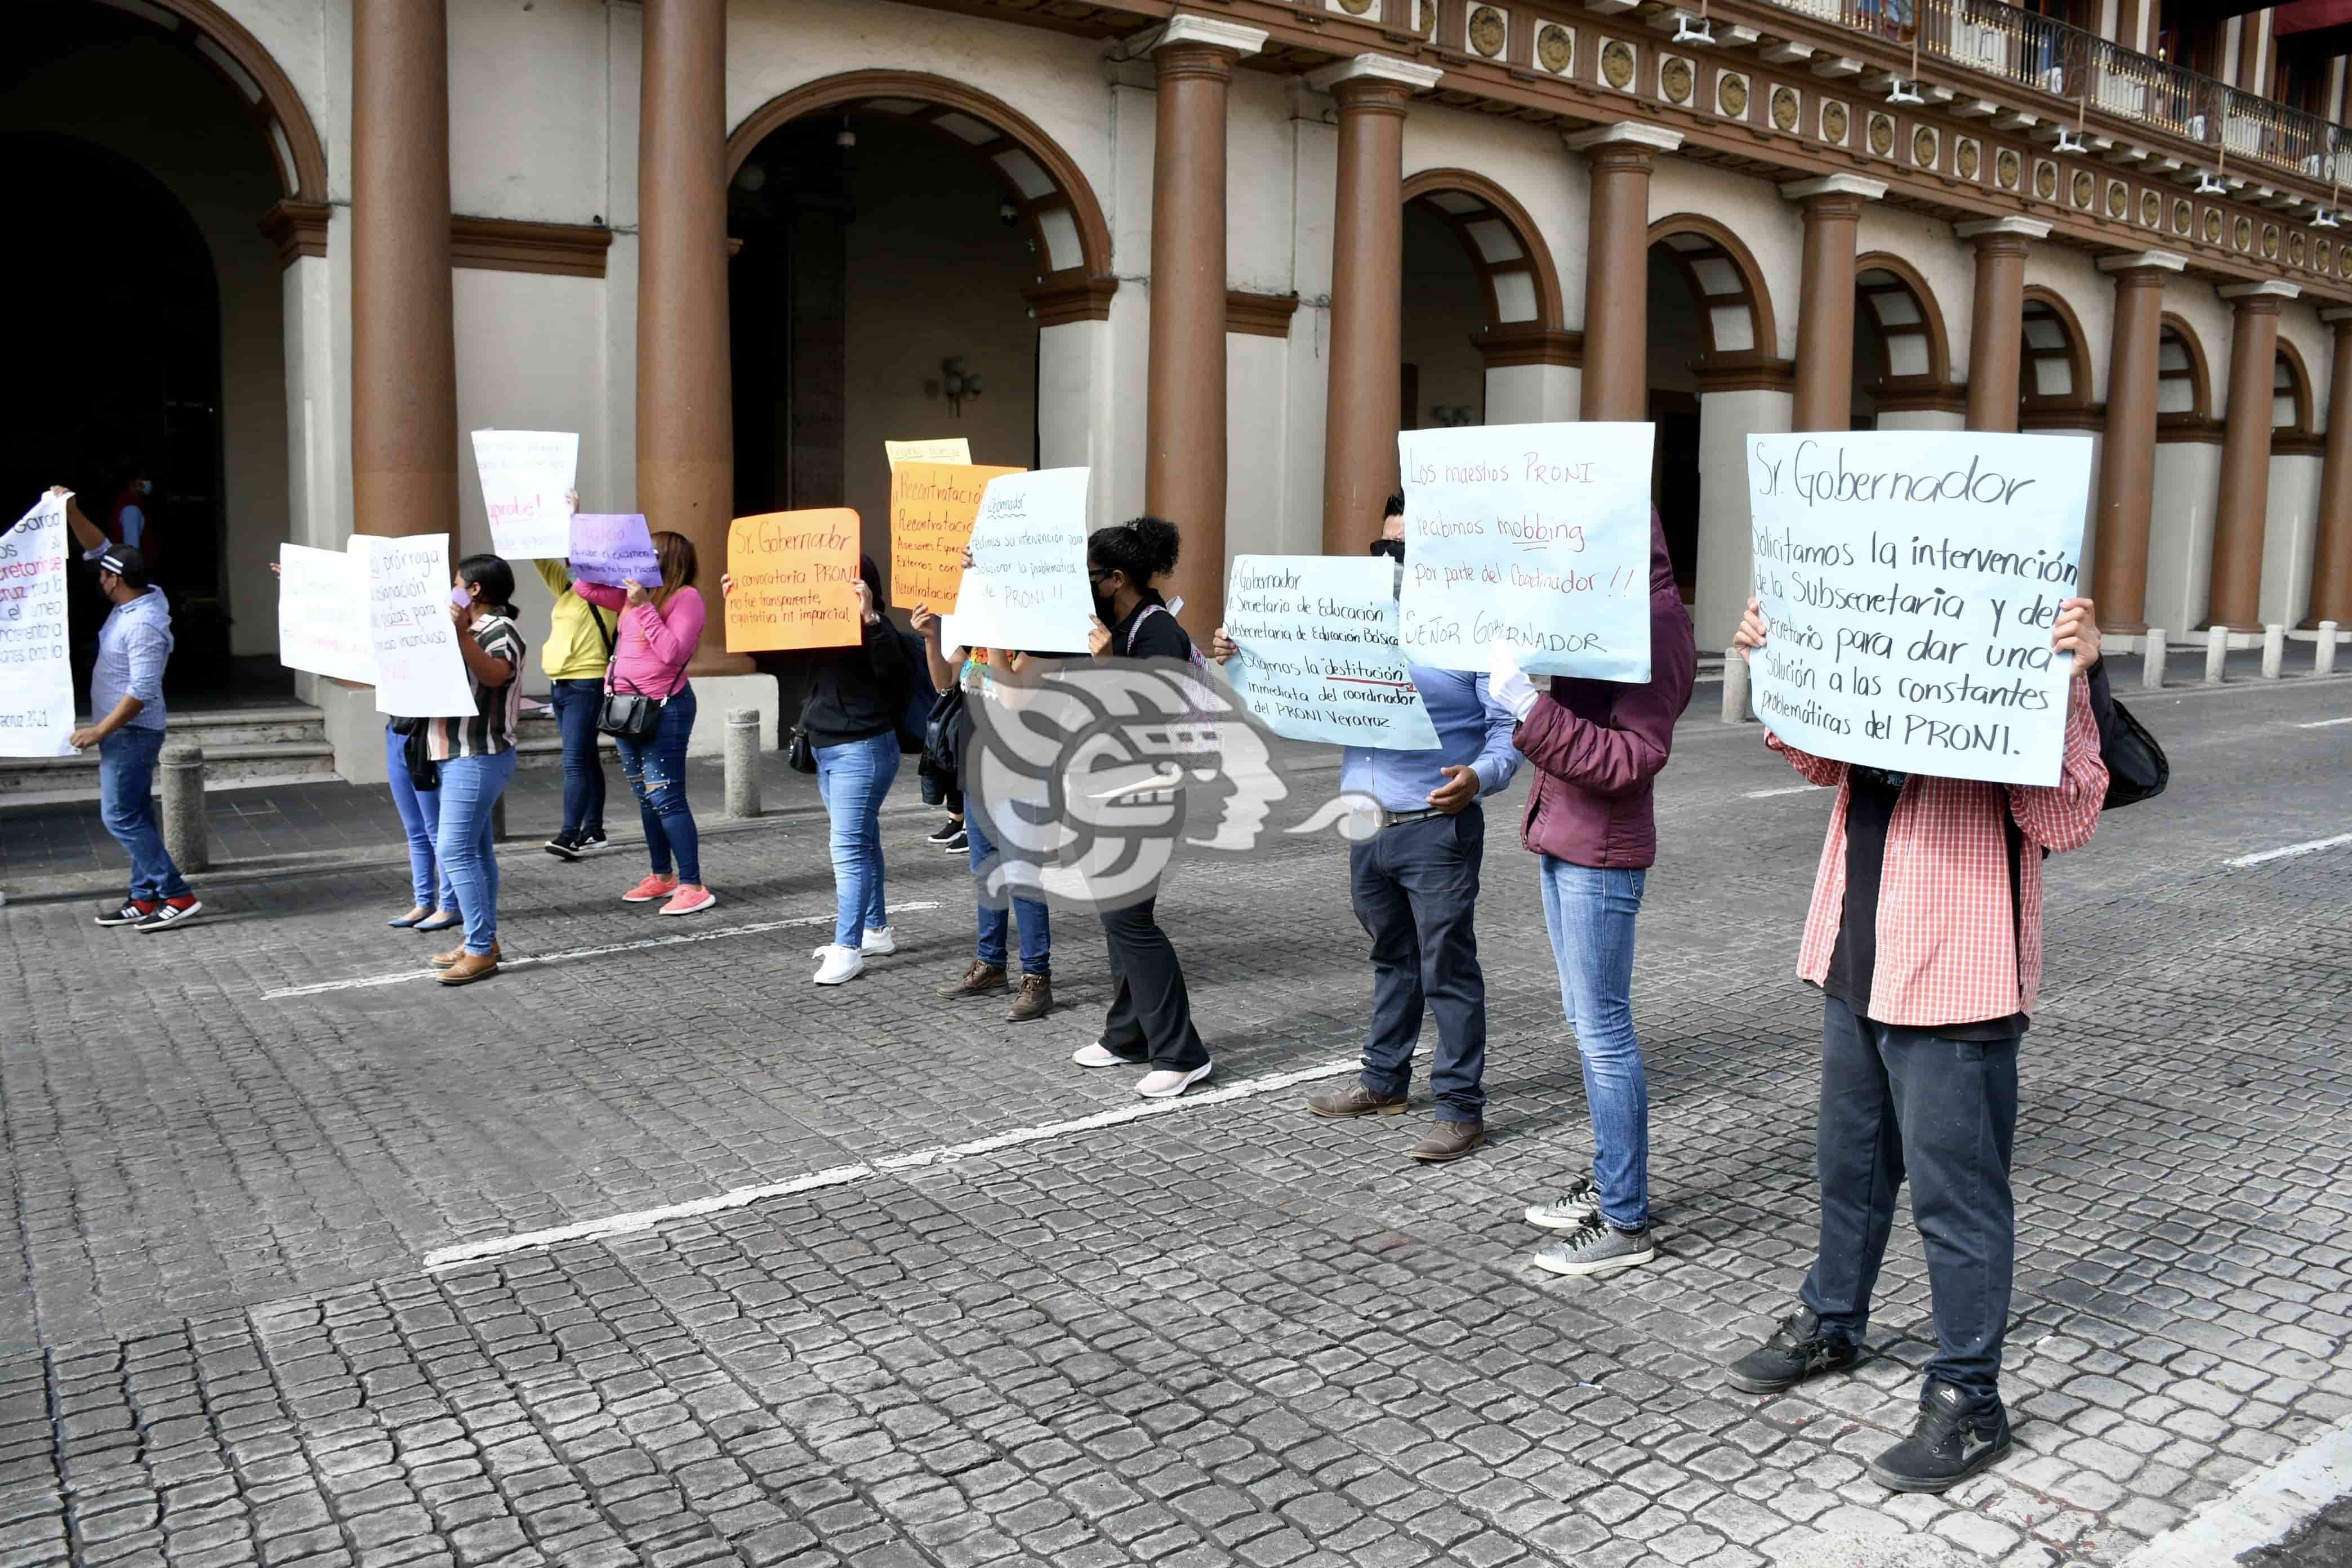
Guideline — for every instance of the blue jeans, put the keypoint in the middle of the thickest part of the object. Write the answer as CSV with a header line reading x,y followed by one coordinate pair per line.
x,y
420,814
470,786
576,703
655,770
1036,926
126,802
1590,912
851,779
1415,888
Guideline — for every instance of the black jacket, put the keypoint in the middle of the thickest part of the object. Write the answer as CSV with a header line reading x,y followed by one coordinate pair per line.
x,y
856,693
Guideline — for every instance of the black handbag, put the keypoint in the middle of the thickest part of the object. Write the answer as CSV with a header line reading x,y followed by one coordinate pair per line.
x,y
943,733
624,715
799,755
2137,767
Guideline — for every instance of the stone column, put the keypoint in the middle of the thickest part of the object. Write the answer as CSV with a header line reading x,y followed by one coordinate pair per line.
x,y
1997,323
2126,492
686,435
1833,206
2331,562
403,345
2235,597
1617,267
1360,411
1184,450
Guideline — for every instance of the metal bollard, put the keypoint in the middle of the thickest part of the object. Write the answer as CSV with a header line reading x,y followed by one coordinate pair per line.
x,y
2274,651
2152,662
2216,653
2323,657
1735,686
742,762
187,837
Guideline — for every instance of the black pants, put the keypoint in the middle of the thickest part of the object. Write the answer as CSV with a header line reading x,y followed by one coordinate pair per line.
x,y
1416,890
1896,1100
1151,1013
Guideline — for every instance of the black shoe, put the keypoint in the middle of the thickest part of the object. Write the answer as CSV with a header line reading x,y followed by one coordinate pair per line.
x,y
563,847
944,831
591,841
1797,1350
131,912
1953,1441
960,844
164,916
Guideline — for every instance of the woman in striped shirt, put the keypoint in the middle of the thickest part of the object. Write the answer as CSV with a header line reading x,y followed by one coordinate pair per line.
x,y
478,758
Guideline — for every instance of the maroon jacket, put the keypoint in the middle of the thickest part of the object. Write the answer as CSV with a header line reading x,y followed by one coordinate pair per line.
x,y
1598,744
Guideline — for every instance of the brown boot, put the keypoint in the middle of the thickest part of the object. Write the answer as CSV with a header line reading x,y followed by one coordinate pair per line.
x,y
977,981
1035,1000
449,960
470,967
1450,1140
1355,1101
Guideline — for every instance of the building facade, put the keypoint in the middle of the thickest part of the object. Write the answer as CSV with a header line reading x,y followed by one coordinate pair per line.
x,y
1218,252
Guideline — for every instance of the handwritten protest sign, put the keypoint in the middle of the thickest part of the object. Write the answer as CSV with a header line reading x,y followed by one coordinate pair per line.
x,y
795,574
37,691
610,547
932,506
323,614
955,449
419,673
1909,581
525,475
1027,587
1534,536
1320,659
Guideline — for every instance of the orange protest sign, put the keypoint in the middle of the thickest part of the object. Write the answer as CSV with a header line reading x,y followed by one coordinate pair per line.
x,y
931,510
795,581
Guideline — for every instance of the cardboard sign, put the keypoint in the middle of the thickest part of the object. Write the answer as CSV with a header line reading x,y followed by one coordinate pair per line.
x,y
795,581
323,614
1319,658
36,689
612,547
932,506
1534,536
419,673
526,475
1027,587
1909,582
955,449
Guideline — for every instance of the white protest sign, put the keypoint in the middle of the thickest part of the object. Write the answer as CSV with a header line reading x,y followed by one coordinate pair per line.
x,y
323,614
419,673
525,477
956,449
1534,536
1027,588
1909,581
37,690
1320,659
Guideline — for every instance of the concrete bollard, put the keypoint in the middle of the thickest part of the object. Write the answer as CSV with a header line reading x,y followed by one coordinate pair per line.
x,y
742,762
1734,688
2322,656
2216,653
188,837
2273,652
2151,662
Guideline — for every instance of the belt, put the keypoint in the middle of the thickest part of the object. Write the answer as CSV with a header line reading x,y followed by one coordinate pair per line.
x,y
1399,818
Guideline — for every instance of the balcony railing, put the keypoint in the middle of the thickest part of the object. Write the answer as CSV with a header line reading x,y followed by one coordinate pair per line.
x,y
2066,62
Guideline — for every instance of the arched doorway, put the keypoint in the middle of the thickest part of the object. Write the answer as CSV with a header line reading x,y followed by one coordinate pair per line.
x,y
2291,531
1483,340
2186,474
2055,372
1902,353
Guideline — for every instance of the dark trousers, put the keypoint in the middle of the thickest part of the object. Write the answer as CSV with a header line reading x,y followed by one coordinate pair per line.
x,y
1945,1111
576,703
1416,890
1151,1011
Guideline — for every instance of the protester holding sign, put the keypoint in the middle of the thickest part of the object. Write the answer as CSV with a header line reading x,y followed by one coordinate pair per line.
x,y
1924,935
578,648
476,757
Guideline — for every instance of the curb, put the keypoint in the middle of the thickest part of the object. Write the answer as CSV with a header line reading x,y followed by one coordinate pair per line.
x,y
2264,1507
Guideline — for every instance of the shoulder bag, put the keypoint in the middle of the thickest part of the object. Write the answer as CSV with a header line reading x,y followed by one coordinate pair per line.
x,y
624,715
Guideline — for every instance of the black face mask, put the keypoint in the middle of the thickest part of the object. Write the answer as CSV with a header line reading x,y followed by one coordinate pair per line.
x,y
1391,548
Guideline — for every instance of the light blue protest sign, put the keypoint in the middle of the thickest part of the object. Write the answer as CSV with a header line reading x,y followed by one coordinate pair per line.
x,y
1026,588
1909,581
1533,536
612,547
1319,658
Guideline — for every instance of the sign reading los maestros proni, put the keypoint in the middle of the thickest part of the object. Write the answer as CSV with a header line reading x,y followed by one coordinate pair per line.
x,y
1909,581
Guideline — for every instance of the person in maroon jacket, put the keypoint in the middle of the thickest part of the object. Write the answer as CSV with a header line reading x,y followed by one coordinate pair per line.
x,y
1597,747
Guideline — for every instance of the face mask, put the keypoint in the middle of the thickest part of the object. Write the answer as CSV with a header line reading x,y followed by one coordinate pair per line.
x,y
460,598
1391,548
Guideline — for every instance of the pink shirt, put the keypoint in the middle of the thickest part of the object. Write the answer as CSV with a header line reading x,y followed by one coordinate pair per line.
x,y
650,646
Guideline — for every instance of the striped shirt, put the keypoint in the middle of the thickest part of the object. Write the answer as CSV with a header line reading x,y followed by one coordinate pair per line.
x,y
497,708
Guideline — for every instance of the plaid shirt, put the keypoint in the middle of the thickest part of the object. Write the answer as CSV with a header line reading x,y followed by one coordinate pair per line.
x,y
1947,949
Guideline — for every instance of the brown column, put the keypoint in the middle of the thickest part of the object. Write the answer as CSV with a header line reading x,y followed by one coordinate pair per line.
x,y
1617,267
2331,562
1833,206
2127,450
686,431
1359,414
1997,321
403,345
1184,447
2245,488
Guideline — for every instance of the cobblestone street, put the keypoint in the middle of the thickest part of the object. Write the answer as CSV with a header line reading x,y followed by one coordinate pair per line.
x,y
267,1301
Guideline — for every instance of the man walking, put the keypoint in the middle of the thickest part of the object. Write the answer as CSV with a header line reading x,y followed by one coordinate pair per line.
x,y
1925,936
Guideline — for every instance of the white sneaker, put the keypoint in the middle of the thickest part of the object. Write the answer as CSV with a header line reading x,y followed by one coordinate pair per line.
x,y
879,942
1101,1056
841,963
1167,1085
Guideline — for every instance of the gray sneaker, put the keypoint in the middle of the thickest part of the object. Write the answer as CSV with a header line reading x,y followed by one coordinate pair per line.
x,y
1570,1211
1597,1248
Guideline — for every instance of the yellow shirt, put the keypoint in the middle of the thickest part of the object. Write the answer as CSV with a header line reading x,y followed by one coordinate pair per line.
x,y
574,649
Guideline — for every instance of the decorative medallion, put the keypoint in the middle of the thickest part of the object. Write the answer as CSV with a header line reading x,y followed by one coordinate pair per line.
x,y
2151,210
1424,17
1353,7
1675,79
1617,63
2118,200
2005,168
1784,109
2212,225
2086,187
1923,146
2294,248
2270,242
1488,34
1556,49
2344,261
2323,257
2045,179
2183,215
1731,95
2242,233
1836,123
1882,134
1969,159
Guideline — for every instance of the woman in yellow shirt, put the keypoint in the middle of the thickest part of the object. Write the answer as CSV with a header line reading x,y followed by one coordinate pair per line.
x,y
579,644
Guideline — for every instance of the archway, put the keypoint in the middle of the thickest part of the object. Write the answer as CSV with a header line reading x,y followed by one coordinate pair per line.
x,y
1902,353
1482,325
2290,396
2053,379
2183,389
2186,474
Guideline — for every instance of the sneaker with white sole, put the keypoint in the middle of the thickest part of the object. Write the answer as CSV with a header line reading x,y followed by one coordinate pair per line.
x,y
1101,1056
1571,1210
879,942
840,964
170,912
1597,1248
1168,1083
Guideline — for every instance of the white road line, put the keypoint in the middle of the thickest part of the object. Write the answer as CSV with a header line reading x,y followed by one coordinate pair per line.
x,y
2324,723
841,1175
1769,794
368,982
2262,1508
2291,851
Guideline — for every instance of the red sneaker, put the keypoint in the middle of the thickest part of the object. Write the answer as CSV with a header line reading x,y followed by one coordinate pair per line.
x,y
653,888
689,901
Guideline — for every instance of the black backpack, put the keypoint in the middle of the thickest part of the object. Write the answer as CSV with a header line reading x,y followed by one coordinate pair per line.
x,y
2137,768
914,715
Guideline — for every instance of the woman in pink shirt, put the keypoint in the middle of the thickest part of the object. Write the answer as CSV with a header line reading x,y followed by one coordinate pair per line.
x,y
658,632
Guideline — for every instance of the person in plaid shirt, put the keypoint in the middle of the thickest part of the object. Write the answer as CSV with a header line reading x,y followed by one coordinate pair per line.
x,y
1924,935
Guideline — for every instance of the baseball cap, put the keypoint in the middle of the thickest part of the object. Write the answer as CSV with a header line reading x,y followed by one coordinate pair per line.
x,y
123,560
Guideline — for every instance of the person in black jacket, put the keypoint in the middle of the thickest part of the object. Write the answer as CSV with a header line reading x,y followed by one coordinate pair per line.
x,y
1151,1019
